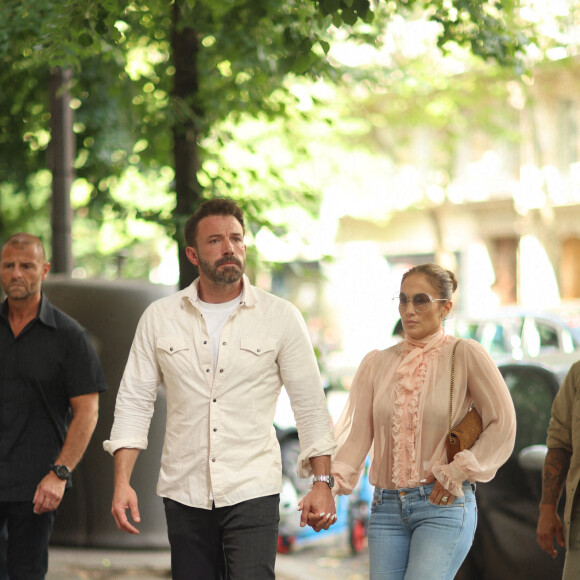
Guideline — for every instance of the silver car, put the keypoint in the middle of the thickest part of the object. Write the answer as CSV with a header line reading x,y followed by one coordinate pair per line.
x,y
517,333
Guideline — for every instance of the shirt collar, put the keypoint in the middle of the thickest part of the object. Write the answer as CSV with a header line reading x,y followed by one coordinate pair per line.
x,y
4,309
248,297
45,312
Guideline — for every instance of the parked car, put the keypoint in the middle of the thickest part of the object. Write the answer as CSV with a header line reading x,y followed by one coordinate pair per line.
x,y
518,333
505,545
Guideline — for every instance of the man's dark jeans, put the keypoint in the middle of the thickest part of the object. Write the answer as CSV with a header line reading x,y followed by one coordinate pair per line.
x,y
26,556
236,542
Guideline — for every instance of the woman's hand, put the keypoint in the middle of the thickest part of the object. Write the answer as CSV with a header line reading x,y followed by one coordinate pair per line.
x,y
318,508
439,495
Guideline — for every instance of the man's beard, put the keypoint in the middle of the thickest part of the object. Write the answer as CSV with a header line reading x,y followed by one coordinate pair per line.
x,y
222,276
23,291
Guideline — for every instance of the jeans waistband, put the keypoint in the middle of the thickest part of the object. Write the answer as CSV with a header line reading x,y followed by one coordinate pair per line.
x,y
423,491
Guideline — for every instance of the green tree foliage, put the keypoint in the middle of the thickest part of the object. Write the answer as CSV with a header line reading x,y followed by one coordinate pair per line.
x,y
143,106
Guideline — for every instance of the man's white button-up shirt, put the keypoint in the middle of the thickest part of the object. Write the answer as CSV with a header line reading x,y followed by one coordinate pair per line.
x,y
220,441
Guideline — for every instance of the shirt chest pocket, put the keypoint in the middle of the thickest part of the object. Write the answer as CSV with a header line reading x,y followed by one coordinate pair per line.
x,y
258,346
174,354
258,351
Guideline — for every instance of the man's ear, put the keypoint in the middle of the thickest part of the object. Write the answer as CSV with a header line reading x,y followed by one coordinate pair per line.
x,y
191,254
45,270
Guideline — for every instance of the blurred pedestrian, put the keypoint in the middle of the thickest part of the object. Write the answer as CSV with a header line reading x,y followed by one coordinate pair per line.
x,y
423,513
562,467
48,370
222,349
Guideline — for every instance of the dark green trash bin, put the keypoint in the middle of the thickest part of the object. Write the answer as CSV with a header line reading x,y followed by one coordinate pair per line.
x,y
110,311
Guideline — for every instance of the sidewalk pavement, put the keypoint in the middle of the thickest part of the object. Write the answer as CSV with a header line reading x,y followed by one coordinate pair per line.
x,y
93,564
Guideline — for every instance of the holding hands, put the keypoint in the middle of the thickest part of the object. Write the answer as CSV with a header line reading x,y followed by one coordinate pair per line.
x,y
318,508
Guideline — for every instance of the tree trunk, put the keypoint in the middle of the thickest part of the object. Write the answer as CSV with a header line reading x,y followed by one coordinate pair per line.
x,y
61,165
188,191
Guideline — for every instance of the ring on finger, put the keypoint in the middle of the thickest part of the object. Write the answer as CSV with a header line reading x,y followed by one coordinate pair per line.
x,y
444,499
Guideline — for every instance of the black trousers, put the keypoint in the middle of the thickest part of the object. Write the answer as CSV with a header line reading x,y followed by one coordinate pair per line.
x,y
235,542
27,541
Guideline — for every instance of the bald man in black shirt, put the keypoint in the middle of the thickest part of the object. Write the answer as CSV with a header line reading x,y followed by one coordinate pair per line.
x,y
50,379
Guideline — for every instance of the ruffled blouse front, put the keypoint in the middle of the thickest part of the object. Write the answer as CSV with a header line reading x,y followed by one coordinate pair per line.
x,y
398,411
409,381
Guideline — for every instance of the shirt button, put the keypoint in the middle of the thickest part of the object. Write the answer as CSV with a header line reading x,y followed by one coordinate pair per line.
x,y
224,342
207,370
259,350
205,342
213,460
215,400
221,370
214,429
171,348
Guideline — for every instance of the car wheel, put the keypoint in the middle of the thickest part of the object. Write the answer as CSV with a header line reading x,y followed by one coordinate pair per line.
x,y
284,544
357,536
357,528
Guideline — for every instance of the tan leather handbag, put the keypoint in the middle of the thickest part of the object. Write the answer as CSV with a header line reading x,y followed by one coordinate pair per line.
x,y
466,432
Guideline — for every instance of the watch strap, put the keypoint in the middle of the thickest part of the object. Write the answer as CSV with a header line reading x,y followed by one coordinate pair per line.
x,y
328,479
62,471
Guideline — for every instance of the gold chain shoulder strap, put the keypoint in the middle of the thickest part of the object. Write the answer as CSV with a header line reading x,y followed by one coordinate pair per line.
x,y
451,388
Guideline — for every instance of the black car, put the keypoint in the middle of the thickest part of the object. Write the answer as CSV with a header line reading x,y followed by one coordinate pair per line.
x,y
505,545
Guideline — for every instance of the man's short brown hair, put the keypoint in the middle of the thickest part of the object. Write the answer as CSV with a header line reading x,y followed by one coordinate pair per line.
x,y
25,239
217,206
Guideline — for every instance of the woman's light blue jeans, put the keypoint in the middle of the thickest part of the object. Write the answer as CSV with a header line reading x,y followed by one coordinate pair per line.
x,y
411,538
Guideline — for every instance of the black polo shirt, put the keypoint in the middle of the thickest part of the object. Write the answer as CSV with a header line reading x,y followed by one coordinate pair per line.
x,y
56,355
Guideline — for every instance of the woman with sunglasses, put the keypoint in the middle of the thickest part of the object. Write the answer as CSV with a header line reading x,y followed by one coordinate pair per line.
x,y
423,514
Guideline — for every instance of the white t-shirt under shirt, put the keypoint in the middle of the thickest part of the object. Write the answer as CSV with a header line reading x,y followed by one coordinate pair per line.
x,y
215,316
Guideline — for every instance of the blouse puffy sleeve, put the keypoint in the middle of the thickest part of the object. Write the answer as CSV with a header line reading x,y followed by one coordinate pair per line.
x,y
354,429
492,400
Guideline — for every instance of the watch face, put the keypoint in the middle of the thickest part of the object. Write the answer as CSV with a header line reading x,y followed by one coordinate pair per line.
x,y
62,471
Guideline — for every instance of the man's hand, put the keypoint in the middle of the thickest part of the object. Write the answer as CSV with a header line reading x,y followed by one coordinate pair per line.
x,y
125,498
549,527
318,508
556,467
49,493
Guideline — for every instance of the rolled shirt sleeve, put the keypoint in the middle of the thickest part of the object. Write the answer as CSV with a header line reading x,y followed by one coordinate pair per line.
x,y
301,378
137,392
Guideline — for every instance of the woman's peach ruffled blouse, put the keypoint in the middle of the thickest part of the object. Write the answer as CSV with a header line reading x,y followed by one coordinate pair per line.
x,y
398,411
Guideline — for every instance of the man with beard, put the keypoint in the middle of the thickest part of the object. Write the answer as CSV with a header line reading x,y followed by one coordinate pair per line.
x,y
222,349
48,369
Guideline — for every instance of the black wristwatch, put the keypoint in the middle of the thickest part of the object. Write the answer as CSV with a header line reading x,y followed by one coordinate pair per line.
x,y
62,471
